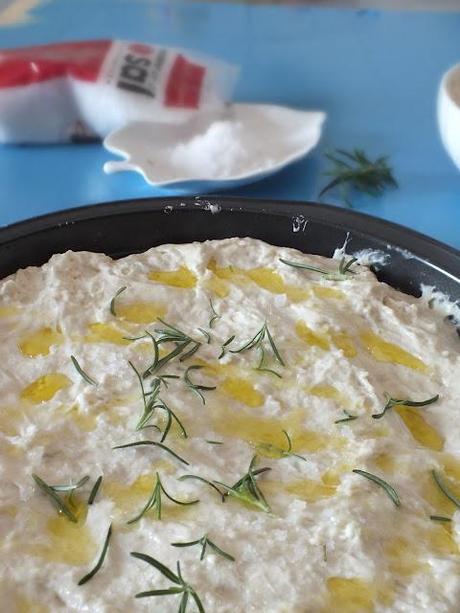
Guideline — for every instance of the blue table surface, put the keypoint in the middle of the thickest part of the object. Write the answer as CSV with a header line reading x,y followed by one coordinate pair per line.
x,y
375,73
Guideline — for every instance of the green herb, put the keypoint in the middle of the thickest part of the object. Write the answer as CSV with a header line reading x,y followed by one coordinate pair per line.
x,y
154,502
206,334
81,372
70,487
112,302
257,342
99,563
55,499
170,334
153,444
214,442
203,480
383,484
183,588
213,316
440,518
444,489
95,490
195,388
324,552
392,402
355,171
275,451
152,401
349,417
204,541
343,271
223,348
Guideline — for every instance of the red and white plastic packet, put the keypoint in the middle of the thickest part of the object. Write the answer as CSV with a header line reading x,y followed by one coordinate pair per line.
x,y
79,90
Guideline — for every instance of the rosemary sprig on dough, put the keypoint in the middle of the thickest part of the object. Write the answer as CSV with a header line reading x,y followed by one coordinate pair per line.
x,y
112,302
152,444
154,501
273,451
392,494
56,500
205,541
343,272
81,372
257,342
183,588
194,387
392,402
170,334
101,559
213,316
444,489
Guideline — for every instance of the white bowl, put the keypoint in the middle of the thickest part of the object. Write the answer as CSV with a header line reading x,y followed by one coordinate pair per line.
x,y
449,112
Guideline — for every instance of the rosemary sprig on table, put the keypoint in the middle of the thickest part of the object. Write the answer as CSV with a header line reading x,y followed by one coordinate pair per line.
x,y
204,541
355,171
392,402
343,271
112,302
56,500
273,451
257,342
152,444
183,588
81,372
154,501
445,490
101,559
245,489
94,490
213,316
391,492
194,387
348,417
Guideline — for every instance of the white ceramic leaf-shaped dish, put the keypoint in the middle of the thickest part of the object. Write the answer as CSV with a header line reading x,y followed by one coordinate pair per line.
x,y
245,143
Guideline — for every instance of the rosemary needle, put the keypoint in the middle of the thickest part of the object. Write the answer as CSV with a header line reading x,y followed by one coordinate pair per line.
x,y
392,494
444,489
213,316
392,402
153,444
55,499
81,372
348,417
195,388
112,302
99,563
95,490
204,541
440,518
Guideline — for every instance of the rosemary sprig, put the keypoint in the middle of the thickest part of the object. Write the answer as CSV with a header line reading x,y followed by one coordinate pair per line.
x,y
440,518
275,451
343,271
223,348
170,334
112,302
56,500
392,494
257,342
213,316
194,387
100,562
152,401
183,588
211,484
94,491
81,372
154,501
246,489
153,444
392,402
348,417
355,171
204,541
206,334
444,489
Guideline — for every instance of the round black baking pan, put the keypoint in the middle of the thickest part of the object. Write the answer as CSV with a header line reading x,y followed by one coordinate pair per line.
x,y
130,226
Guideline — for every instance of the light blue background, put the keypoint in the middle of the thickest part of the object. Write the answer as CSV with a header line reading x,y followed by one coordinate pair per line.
x,y
375,73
